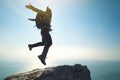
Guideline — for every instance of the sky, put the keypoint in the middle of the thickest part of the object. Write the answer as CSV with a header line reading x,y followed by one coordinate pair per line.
x,y
82,30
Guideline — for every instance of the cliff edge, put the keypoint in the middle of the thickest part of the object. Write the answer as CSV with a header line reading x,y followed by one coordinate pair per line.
x,y
64,72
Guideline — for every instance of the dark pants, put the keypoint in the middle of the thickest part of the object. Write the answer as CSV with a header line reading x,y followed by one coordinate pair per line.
x,y
46,42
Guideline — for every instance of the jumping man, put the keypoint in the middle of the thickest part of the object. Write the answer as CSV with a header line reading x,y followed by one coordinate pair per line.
x,y
42,20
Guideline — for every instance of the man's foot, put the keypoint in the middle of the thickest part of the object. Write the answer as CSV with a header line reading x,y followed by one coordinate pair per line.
x,y
42,59
30,47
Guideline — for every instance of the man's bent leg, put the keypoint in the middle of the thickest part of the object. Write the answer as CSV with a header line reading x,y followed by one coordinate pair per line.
x,y
45,50
44,53
48,41
35,45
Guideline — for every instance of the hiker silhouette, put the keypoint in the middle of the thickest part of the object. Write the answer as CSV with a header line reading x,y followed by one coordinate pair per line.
x,y
42,20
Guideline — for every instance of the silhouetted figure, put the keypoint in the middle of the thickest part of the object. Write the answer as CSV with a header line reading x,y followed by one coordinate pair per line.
x,y
43,20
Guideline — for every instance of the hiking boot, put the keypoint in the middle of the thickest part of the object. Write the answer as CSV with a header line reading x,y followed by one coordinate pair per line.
x,y
30,47
42,59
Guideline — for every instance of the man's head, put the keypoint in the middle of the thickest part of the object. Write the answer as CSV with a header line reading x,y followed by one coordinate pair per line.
x,y
49,12
48,9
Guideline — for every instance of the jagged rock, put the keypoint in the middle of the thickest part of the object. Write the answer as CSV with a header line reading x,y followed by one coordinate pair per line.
x,y
65,72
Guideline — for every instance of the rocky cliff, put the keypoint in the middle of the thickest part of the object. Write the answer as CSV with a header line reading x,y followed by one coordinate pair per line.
x,y
65,72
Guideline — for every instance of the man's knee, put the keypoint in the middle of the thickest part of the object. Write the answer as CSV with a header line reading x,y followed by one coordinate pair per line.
x,y
49,44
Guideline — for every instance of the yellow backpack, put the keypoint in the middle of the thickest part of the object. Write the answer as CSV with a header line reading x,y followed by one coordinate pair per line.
x,y
43,19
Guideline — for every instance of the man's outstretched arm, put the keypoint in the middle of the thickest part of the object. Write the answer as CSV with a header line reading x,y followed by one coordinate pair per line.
x,y
31,19
34,8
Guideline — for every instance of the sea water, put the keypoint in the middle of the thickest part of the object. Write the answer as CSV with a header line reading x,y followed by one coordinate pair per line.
x,y
100,70
10,67
104,70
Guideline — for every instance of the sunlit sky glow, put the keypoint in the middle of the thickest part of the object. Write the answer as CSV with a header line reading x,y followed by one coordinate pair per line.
x,y
82,29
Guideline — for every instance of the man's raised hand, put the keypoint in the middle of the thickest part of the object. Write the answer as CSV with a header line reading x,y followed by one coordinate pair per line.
x,y
29,6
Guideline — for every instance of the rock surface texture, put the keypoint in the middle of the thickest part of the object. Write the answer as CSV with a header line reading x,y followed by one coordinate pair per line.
x,y
65,72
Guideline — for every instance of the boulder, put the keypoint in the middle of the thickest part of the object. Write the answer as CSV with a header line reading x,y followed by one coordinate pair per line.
x,y
63,72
